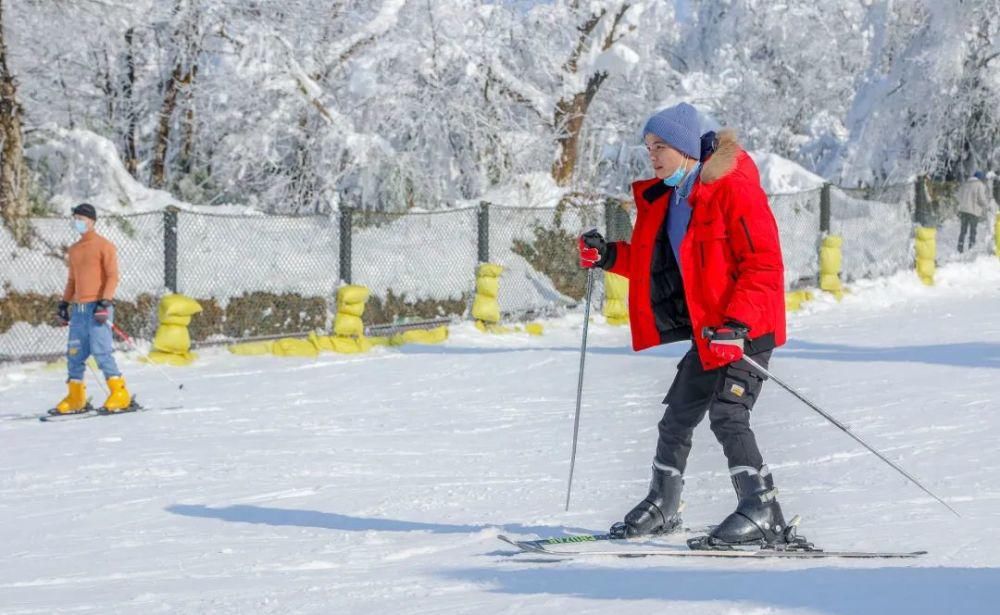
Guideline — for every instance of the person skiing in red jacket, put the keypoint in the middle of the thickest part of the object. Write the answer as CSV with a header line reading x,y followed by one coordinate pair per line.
x,y
704,257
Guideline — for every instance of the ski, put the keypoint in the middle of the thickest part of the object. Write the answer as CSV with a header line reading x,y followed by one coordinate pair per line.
x,y
541,547
135,407
61,418
557,540
51,413
597,537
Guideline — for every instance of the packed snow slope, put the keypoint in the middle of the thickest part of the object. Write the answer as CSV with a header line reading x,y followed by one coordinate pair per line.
x,y
378,483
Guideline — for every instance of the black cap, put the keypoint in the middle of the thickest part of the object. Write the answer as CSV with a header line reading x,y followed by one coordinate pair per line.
x,y
87,210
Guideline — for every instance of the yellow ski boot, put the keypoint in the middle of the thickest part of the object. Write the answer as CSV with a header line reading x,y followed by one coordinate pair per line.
x,y
75,401
120,400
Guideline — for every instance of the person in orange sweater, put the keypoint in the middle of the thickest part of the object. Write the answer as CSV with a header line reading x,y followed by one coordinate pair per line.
x,y
88,308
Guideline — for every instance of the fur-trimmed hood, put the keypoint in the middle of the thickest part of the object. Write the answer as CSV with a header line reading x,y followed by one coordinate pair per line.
x,y
727,165
728,158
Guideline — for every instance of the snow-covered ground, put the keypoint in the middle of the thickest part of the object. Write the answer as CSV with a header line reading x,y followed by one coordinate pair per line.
x,y
378,483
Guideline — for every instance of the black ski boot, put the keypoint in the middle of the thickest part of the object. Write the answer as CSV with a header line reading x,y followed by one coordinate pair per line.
x,y
658,513
757,519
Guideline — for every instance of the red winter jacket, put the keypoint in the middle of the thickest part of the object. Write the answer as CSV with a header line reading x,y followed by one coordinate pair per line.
x,y
730,260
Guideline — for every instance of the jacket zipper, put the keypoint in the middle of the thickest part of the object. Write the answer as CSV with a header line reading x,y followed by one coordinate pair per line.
x,y
746,230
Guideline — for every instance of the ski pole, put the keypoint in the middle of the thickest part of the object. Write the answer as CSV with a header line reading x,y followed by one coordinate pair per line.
x,y
708,333
579,383
125,336
98,377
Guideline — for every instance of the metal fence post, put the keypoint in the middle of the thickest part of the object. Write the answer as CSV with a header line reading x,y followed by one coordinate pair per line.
x,y
996,189
346,228
609,220
170,248
483,232
920,201
824,209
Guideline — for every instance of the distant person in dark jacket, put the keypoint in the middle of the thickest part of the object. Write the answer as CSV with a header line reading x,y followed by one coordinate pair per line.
x,y
974,203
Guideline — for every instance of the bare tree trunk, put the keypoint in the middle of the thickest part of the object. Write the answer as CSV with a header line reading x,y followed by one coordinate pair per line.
x,y
178,79
13,170
107,85
159,167
187,149
182,75
132,118
571,111
569,117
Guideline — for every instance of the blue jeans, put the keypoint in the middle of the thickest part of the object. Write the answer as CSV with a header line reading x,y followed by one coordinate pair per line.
x,y
87,337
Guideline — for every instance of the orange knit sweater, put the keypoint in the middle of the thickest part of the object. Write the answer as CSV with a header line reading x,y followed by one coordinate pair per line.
x,y
93,270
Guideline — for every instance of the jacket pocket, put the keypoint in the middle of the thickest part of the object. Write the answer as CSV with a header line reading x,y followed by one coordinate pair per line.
x,y
709,240
739,386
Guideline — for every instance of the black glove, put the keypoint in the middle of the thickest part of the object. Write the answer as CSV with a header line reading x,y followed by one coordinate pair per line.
x,y
591,241
102,311
63,312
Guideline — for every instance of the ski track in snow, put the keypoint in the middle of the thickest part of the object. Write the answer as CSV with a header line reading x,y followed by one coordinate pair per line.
x,y
379,483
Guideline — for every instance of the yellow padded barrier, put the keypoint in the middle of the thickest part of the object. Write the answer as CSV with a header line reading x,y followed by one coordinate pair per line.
x,y
350,307
352,293
485,307
350,345
830,261
421,336
348,325
172,342
531,328
251,348
615,299
294,347
177,359
926,248
996,235
341,344
795,298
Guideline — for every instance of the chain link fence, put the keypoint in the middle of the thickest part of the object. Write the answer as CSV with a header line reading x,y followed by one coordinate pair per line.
x,y
538,248
265,276
256,276
416,265
33,280
798,218
877,229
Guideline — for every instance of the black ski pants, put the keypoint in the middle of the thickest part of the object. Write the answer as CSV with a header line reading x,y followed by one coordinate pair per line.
x,y
727,394
969,223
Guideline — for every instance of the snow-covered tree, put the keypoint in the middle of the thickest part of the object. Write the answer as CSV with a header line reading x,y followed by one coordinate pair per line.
x,y
305,105
13,172
565,53
926,100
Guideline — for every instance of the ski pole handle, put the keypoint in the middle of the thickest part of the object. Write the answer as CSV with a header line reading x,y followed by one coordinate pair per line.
x,y
710,333
123,335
